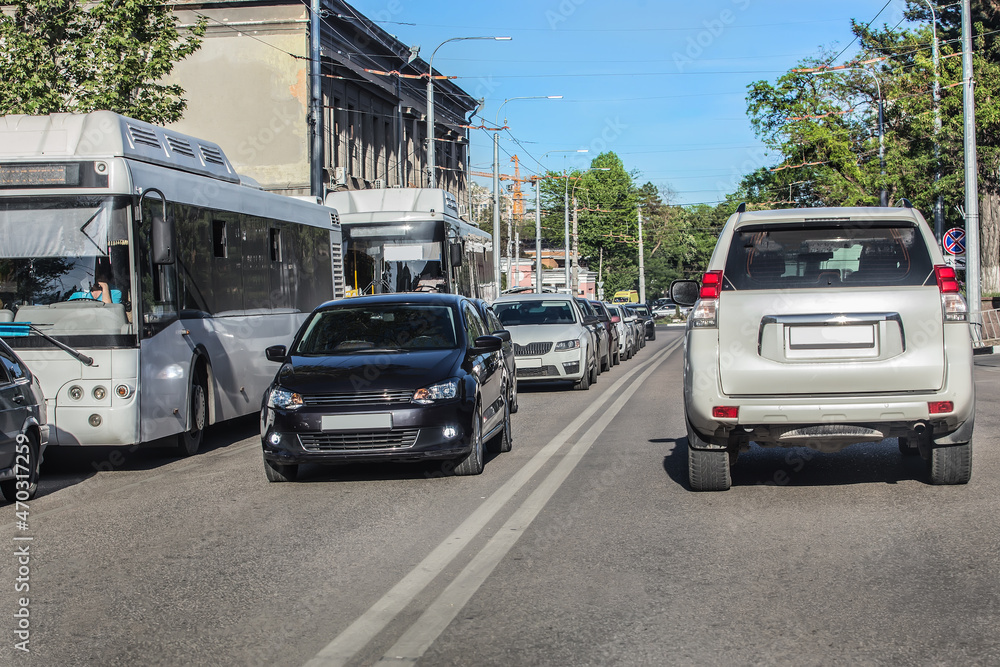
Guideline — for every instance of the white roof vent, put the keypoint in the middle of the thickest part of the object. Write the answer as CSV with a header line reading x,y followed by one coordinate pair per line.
x,y
141,136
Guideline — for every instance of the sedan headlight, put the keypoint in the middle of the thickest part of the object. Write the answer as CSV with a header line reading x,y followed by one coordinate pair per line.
x,y
284,399
441,391
568,344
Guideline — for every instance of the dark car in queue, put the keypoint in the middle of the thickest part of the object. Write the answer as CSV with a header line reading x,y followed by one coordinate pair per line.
x,y
494,328
614,357
392,377
642,310
25,433
591,320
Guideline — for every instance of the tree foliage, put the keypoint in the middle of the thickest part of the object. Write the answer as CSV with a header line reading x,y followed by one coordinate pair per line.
x,y
823,122
59,56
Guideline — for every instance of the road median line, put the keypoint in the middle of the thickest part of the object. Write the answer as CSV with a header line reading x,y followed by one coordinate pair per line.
x,y
364,629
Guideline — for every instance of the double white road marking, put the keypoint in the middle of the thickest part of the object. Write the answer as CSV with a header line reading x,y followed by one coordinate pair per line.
x,y
419,637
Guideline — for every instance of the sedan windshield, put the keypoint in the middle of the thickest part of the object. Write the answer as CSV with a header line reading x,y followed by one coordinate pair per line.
x,y
517,313
378,328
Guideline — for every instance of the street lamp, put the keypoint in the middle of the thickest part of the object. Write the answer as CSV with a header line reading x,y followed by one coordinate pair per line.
x,y
538,244
939,201
496,180
431,157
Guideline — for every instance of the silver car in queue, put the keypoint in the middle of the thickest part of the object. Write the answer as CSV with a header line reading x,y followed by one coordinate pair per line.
x,y
552,341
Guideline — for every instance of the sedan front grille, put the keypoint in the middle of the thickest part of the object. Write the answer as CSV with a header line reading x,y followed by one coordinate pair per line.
x,y
358,440
358,398
543,371
532,349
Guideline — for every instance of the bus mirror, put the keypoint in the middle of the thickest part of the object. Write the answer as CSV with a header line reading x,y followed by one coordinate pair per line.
x,y
163,241
456,254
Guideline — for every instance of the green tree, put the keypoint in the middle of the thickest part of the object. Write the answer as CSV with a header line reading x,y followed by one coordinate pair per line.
x,y
59,56
823,124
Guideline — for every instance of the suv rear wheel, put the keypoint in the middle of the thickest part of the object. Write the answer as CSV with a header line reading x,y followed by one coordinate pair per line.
x,y
951,464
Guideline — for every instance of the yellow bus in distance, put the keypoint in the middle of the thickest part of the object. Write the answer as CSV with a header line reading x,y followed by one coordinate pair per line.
x,y
626,296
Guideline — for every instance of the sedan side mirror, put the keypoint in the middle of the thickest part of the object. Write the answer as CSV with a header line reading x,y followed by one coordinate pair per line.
x,y
276,353
684,292
503,335
484,344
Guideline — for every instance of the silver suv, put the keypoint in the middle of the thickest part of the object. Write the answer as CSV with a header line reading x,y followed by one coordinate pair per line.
x,y
826,327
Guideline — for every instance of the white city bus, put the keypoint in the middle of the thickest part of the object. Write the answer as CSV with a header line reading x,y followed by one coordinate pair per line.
x,y
199,271
412,240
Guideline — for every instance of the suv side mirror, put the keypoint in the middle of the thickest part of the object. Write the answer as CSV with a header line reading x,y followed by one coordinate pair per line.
x,y
684,292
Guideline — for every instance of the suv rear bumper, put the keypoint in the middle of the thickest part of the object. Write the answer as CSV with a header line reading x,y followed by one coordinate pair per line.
x,y
767,417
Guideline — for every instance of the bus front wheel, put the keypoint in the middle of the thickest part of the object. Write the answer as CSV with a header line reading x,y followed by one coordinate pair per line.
x,y
189,441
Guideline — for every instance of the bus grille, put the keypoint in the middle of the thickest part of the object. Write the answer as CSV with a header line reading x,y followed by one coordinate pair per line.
x,y
359,398
532,349
358,440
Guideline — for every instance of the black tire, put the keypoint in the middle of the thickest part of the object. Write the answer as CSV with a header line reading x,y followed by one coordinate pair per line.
x,y
275,472
905,449
9,487
595,371
708,469
951,464
583,384
617,359
513,396
473,463
652,333
190,441
606,361
503,441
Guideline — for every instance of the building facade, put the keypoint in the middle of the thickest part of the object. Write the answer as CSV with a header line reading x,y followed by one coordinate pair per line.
x,y
248,90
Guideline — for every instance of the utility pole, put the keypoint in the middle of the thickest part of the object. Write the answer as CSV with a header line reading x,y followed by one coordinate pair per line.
x,y
939,201
510,239
642,272
496,209
576,253
566,262
972,269
538,236
316,101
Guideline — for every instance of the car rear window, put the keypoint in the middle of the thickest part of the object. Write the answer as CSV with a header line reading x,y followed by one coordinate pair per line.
x,y
811,256
517,313
361,329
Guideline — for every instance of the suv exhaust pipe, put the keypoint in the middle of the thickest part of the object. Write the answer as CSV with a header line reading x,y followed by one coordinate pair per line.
x,y
920,428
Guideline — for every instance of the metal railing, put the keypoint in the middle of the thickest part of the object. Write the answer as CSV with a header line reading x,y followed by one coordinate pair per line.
x,y
985,328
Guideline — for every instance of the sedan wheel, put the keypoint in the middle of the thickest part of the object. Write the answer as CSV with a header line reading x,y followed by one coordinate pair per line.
x,y
503,441
473,463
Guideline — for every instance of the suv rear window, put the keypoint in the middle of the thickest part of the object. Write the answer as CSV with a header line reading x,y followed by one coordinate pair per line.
x,y
811,256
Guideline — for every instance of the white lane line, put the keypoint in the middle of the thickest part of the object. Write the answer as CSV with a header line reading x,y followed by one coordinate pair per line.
x,y
436,618
359,633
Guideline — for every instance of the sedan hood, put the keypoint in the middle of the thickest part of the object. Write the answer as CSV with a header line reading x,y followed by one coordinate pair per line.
x,y
344,374
540,333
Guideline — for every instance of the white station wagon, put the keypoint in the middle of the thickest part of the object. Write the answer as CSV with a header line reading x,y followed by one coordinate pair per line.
x,y
826,327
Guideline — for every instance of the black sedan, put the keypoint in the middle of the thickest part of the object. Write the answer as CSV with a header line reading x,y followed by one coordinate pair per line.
x,y
25,431
392,377
494,327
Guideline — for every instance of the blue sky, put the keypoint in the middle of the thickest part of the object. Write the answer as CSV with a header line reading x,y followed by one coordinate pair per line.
x,y
662,84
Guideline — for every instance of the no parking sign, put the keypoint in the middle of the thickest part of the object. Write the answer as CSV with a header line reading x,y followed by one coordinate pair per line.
x,y
954,241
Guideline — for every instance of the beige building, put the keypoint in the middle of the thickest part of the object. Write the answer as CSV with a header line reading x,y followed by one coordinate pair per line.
x,y
248,90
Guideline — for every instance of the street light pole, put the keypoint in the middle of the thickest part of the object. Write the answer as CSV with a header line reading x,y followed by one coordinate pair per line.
x,y
566,211
496,180
939,201
538,236
431,157
642,272
972,261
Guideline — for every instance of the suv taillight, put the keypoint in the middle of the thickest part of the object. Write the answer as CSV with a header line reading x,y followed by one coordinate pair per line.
x,y
705,314
711,285
953,306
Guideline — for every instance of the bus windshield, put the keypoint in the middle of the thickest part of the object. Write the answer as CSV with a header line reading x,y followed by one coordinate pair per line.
x,y
58,255
397,257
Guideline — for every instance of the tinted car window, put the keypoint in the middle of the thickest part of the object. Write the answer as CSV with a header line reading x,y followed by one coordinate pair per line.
x,y
807,256
588,310
12,367
600,311
349,330
514,313
474,327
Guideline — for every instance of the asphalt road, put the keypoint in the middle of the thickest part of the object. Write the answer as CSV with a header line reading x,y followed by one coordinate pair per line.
x,y
582,546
